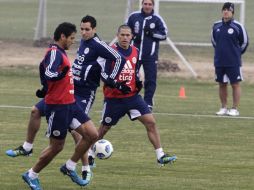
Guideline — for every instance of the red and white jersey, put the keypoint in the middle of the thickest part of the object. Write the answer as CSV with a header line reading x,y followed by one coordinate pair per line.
x,y
128,74
59,91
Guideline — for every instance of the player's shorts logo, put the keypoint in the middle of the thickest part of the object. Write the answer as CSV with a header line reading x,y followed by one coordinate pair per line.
x,y
56,133
108,119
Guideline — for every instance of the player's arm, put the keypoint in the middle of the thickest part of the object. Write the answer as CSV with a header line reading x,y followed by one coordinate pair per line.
x,y
52,66
106,71
41,93
160,31
111,55
139,83
243,39
213,38
130,23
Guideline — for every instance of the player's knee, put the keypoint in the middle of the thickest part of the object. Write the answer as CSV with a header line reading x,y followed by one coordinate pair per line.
x,y
150,125
35,113
94,136
58,148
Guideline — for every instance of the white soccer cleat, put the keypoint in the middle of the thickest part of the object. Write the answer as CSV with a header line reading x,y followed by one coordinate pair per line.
x,y
222,111
233,112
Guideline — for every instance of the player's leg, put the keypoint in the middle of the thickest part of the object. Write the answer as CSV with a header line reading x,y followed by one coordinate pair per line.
x,y
236,92
86,170
58,123
113,110
47,155
235,77
89,135
223,94
138,109
150,71
82,124
222,80
85,103
33,127
152,131
154,137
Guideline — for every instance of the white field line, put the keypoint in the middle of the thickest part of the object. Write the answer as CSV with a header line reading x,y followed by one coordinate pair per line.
x,y
17,107
156,113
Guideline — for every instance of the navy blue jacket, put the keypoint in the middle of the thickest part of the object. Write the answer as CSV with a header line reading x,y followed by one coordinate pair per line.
x,y
230,41
89,65
148,30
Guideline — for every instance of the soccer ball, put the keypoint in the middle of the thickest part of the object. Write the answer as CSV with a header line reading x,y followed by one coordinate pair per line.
x,y
103,149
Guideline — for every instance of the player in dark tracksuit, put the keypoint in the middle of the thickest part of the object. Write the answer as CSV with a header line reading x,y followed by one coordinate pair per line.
x,y
148,30
230,41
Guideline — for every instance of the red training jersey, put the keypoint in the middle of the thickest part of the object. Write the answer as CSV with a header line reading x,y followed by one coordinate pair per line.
x,y
127,74
59,91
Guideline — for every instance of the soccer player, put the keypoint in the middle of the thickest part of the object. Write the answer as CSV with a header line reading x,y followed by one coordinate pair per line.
x,y
89,66
117,104
148,30
86,69
61,109
230,41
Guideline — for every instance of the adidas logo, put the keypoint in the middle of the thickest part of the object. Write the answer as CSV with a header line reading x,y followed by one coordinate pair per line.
x,y
127,68
127,72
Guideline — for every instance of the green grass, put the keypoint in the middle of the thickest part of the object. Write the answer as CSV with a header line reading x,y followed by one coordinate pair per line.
x,y
185,21
214,153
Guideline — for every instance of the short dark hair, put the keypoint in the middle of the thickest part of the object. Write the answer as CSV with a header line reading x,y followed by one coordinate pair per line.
x,y
123,26
229,6
90,19
65,28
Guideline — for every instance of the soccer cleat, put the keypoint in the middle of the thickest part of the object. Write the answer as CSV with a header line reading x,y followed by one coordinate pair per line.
x,y
165,159
233,112
222,111
74,176
91,162
87,175
20,151
34,184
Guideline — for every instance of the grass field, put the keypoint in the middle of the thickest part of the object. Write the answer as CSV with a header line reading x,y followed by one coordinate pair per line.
x,y
186,21
214,153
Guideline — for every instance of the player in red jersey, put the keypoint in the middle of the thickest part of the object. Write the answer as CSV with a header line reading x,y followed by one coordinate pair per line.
x,y
117,104
61,109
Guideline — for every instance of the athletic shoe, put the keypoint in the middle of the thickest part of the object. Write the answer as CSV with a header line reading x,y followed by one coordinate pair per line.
x,y
91,162
34,184
20,151
222,111
73,175
233,112
165,159
87,175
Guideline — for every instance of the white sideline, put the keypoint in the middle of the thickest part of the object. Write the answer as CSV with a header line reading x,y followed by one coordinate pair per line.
x,y
19,107
156,113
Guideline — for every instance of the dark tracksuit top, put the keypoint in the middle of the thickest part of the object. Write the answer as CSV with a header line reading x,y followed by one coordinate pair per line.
x,y
89,65
148,46
230,41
